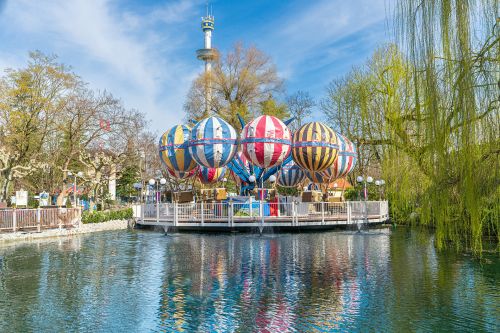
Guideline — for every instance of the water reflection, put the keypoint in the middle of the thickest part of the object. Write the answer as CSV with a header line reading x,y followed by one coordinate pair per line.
x,y
331,281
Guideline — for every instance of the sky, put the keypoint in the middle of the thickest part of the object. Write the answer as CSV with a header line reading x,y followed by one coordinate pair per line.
x,y
143,52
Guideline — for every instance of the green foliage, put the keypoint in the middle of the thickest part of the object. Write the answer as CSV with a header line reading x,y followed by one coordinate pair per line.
x,y
351,194
125,184
427,119
290,191
271,107
103,216
32,202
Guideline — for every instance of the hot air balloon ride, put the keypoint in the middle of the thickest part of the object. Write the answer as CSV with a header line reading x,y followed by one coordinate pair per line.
x,y
343,164
211,175
213,142
266,141
315,147
290,175
181,174
321,177
346,159
174,152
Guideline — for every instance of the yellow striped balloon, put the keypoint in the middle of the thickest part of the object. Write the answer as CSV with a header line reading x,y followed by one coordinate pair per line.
x,y
174,151
315,146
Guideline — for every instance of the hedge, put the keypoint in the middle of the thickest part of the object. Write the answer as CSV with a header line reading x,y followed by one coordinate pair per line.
x,y
103,216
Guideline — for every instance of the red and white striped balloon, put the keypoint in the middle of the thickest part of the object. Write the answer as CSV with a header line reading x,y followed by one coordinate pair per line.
x,y
266,141
211,175
346,159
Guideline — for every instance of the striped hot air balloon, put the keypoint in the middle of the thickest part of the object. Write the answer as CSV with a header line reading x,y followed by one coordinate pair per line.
x,y
182,175
346,159
174,150
211,175
266,141
315,146
213,142
321,177
290,175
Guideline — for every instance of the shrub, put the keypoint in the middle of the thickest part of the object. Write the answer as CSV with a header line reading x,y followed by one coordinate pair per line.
x,y
103,216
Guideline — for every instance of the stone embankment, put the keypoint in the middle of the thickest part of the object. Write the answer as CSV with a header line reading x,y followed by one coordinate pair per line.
x,y
78,230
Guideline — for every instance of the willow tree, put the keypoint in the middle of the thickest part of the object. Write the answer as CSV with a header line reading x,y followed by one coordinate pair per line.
x,y
427,116
454,49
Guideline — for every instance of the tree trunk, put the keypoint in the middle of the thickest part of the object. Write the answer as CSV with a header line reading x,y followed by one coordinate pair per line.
x,y
6,175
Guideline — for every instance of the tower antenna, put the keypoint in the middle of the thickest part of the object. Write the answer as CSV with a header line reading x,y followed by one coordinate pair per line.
x,y
207,54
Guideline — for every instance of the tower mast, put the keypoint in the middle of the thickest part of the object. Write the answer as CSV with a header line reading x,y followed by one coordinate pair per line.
x,y
207,54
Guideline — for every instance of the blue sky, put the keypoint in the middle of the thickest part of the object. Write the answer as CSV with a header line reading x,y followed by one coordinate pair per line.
x,y
144,51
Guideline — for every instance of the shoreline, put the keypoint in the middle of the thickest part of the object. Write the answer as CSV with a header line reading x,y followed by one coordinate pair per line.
x,y
28,236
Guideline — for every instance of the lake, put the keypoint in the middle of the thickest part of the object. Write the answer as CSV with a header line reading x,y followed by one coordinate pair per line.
x,y
389,279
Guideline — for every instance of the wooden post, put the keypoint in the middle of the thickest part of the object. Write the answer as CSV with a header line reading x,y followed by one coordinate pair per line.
x,y
79,217
59,217
14,220
38,220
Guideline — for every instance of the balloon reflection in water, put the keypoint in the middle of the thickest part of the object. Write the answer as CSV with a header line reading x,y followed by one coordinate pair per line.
x,y
272,284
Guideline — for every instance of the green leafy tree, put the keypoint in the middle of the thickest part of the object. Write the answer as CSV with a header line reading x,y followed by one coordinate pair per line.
x,y
125,184
271,107
31,100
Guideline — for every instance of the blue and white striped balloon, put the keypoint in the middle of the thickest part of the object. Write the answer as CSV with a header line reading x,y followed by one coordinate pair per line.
x,y
290,175
213,142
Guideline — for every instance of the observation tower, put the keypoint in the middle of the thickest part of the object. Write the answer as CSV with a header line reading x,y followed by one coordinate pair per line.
x,y
207,54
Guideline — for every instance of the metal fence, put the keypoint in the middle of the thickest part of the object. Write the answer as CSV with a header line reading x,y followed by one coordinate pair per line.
x,y
40,218
234,213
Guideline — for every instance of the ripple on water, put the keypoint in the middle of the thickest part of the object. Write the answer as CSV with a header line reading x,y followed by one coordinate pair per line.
x,y
376,280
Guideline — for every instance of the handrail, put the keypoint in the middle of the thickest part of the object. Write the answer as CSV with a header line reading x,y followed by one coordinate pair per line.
x,y
14,219
233,213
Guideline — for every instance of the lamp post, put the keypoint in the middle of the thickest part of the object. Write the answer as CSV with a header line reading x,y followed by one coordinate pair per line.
x,y
158,182
142,168
163,181
361,180
78,174
379,183
138,188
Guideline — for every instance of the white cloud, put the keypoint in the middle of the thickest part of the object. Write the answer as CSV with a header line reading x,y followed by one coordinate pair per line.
x,y
312,31
113,49
145,54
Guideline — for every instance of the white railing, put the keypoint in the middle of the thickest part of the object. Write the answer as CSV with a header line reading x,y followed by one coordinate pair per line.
x,y
39,218
252,211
